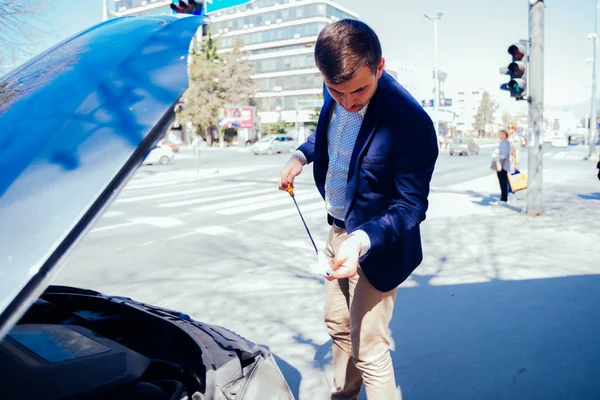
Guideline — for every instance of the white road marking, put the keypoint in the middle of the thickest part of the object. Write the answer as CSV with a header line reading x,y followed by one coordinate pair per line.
x,y
112,214
159,222
251,205
215,230
305,209
278,195
183,192
109,227
150,185
216,198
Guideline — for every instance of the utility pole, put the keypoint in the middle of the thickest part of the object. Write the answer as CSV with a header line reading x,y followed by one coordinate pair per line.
x,y
536,106
104,10
436,99
593,116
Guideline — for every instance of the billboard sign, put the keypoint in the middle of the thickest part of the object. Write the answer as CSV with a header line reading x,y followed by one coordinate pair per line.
x,y
237,117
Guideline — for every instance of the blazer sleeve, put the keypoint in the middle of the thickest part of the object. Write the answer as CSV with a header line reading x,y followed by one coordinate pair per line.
x,y
413,168
308,147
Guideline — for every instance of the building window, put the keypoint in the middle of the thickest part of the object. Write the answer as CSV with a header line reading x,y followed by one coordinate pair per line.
x,y
289,14
293,82
274,35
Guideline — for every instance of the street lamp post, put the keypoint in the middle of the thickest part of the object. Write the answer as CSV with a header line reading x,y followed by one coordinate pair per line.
x,y
436,100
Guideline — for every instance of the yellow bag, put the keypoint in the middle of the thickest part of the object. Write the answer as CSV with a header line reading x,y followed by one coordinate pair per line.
x,y
518,181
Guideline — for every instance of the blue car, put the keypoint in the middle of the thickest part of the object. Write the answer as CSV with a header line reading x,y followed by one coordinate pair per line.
x,y
76,123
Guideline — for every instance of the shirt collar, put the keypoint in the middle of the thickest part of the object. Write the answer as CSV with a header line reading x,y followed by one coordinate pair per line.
x,y
361,112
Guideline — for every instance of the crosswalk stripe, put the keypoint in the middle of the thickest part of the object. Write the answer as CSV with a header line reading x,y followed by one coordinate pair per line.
x,y
183,192
216,198
306,210
278,197
112,214
149,185
143,191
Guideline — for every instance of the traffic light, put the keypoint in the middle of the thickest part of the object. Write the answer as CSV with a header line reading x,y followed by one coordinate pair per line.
x,y
517,85
187,7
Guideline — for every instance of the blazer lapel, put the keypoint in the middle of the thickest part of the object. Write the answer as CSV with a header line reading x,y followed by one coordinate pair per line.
x,y
322,128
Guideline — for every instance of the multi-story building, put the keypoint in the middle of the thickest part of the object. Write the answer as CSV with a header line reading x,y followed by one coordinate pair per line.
x,y
466,107
122,8
279,36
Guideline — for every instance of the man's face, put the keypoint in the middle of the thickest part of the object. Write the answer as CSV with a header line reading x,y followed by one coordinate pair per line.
x,y
354,94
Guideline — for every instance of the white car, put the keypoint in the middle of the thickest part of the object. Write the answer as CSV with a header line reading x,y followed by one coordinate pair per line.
x,y
560,142
159,155
274,144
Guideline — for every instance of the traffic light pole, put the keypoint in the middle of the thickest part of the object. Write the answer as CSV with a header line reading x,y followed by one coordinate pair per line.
x,y
536,106
593,117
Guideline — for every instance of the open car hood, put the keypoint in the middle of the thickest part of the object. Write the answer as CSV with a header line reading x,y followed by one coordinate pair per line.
x,y
75,124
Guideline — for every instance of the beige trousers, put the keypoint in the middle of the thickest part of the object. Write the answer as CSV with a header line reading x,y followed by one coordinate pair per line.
x,y
357,317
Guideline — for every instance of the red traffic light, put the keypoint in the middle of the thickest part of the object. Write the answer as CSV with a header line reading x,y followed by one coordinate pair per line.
x,y
518,51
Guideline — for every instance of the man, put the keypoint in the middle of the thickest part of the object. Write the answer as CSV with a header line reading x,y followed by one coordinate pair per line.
x,y
374,152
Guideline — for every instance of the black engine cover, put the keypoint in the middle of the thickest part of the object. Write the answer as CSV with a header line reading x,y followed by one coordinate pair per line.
x,y
55,362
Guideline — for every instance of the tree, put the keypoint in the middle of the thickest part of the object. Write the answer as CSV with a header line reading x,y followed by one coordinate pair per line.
x,y
18,30
281,127
215,81
238,86
209,48
485,114
203,99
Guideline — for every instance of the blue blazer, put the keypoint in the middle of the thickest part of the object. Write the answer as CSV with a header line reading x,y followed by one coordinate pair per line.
x,y
388,179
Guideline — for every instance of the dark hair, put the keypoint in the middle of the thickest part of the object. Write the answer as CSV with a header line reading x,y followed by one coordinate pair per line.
x,y
344,47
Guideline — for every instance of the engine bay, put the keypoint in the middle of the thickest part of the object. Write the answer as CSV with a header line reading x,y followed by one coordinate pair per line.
x,y
77,346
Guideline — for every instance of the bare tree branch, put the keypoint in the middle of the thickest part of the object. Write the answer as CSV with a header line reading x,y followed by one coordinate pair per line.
x,y
20,26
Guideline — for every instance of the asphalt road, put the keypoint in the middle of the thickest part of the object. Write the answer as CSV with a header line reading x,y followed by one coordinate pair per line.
x,y
227,247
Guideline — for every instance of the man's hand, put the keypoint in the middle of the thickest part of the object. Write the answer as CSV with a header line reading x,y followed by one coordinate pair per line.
x,y
292,169
345,263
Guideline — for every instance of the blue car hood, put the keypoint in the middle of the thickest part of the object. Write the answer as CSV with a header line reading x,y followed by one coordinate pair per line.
x,y
75,124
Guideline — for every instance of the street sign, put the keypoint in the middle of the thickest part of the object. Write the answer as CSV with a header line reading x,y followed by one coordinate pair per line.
x,y
216,5
430,103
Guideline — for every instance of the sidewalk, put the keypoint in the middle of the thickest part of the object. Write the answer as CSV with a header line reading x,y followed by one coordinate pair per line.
x,y
504,305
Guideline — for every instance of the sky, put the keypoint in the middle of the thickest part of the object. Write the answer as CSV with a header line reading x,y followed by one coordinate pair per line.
x,y
474,36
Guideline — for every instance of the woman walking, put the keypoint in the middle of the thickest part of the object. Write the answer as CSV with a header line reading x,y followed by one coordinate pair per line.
x,y
503,165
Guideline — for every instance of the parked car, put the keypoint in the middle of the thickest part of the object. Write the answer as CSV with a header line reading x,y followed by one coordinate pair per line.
x,y
560,141
463,146
171,145
105,97
159,155
274,144
576,139
174,147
